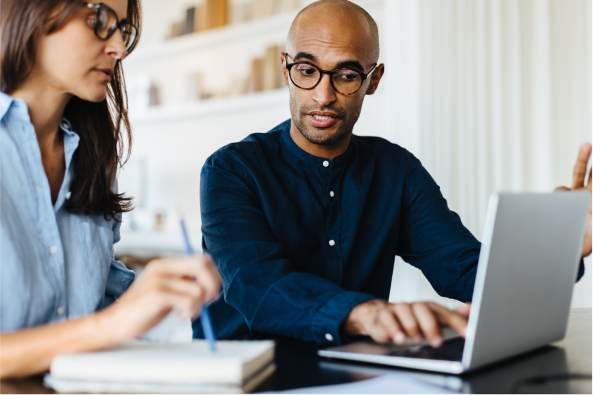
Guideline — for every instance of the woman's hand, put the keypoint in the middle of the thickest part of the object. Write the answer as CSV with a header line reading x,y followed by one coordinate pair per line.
x,y
183,284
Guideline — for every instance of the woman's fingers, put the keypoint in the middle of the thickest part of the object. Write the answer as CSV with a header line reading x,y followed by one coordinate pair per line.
x,y
208,277
199,268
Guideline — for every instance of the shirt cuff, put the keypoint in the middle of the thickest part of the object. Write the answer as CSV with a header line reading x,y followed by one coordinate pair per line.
x,y
581,270
328,319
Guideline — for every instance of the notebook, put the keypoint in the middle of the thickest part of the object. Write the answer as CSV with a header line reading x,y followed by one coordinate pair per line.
x,y
149,367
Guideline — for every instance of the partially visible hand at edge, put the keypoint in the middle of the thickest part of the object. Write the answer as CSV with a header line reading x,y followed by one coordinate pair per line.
x,y
578,184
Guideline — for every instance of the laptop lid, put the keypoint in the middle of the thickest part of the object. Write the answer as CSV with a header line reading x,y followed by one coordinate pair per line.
x,y
530,257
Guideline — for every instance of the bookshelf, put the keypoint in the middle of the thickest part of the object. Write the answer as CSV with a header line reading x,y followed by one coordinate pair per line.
x,y
172,140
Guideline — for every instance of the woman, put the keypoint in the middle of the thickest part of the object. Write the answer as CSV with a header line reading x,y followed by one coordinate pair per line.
x,y
63,115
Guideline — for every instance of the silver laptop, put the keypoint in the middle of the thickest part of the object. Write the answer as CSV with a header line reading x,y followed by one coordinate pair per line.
x,y
528,265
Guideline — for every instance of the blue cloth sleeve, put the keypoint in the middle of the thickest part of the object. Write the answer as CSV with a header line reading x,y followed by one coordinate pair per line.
x,y
434,240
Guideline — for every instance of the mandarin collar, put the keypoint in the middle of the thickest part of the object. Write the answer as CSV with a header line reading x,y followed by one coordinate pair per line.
x,y
306,157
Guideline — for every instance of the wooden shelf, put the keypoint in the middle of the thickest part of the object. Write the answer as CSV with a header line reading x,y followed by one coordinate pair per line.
x,y
212,107
194,42
230,34
148,243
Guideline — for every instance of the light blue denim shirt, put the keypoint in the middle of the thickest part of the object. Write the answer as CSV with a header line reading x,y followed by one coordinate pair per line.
x,y
54,265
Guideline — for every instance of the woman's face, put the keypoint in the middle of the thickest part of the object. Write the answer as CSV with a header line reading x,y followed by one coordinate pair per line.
x,y
75,61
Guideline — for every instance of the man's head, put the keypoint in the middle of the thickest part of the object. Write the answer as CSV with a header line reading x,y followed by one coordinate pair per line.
x,y
331,34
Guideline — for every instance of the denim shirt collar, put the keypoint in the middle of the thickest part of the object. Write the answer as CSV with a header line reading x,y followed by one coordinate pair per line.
x,y
306,157
5,102
18,109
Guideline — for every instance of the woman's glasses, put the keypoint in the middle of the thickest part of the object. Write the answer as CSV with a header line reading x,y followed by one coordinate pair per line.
x,y
307,76
106,23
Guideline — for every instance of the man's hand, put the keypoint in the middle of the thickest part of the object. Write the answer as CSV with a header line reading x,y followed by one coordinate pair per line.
x,y
385,322
578,184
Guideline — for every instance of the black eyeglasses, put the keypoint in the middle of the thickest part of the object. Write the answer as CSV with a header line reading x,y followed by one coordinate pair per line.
x,y
106,23
307,76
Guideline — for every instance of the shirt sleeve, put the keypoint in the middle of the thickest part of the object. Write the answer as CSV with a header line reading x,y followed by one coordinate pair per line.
x,y
434,240
258,280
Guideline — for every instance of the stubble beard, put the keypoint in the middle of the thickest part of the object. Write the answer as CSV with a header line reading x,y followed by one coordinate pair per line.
x,y
346,122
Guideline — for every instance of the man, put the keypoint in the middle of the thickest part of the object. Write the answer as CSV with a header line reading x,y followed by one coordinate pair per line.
x,y
305,221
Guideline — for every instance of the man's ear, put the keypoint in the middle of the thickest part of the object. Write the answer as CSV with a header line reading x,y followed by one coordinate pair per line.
x,y
375,78
284,69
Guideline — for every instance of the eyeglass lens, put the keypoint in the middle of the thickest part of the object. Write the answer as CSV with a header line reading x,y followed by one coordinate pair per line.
x,y
107,23
306,76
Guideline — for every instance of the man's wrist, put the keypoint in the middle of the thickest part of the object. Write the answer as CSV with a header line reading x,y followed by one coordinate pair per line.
x,y
353,325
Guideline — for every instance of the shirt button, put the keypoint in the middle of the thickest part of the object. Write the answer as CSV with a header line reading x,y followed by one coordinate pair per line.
x,y
60,310
68,195
53,249
331,193
38,189
325,163
329,337
331,242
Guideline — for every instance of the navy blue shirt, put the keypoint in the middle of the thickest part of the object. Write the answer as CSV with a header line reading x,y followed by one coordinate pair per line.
x,y
300,240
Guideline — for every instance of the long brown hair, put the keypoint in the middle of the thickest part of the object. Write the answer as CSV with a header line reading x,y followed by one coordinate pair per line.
x,y
102,126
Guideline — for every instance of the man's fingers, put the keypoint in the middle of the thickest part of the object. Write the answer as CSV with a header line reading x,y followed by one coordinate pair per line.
x,y
387,328
580,167
428,323
562,189
464,309
450,318
589,179
406,318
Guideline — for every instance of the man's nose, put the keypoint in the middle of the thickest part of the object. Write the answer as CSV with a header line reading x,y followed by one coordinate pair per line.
x,y
324,93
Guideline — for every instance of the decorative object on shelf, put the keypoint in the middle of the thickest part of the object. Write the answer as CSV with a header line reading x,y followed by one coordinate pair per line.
x,y
195,87
211,14
154,96
265,75
159,221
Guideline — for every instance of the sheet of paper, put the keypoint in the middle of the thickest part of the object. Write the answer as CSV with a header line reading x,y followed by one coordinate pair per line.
x,y
170,330
387,384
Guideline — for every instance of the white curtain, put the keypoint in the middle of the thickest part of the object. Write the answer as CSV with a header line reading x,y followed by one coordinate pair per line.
x,y
491,95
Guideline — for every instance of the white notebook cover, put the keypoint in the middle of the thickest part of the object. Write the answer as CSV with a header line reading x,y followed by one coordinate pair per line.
x,y
233,363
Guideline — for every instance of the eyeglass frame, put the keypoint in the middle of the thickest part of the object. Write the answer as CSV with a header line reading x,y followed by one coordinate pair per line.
x,y
118,26
330,73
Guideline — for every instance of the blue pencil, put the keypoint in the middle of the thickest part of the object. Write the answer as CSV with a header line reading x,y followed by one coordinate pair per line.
x,y
205,316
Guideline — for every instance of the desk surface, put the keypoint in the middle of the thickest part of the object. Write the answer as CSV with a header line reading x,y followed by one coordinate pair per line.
x,y
299,366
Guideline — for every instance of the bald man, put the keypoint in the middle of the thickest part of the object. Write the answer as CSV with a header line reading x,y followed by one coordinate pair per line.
x,y
305,221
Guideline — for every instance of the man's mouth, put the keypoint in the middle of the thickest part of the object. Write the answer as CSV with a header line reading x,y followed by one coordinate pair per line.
x,y
322,119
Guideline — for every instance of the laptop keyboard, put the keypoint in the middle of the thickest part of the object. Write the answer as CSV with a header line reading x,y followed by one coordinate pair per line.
x,y
451,350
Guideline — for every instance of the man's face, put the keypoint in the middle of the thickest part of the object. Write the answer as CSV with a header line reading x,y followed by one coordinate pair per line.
x,y
322,115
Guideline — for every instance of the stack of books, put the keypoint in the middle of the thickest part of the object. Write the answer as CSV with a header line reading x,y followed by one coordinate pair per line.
x,y
149,367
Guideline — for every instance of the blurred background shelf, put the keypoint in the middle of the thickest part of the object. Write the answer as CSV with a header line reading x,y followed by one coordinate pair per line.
x,y
210,108
221,36
153,243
